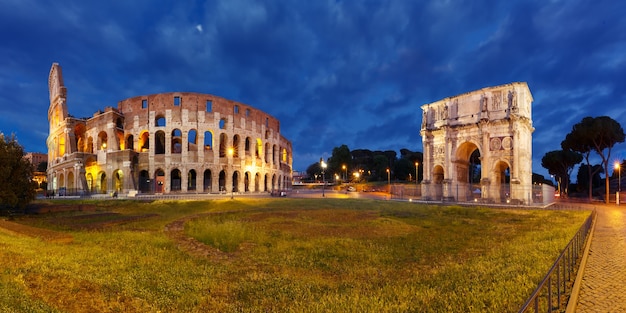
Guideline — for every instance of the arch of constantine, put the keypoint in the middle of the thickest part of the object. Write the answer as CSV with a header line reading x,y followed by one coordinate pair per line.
x,y
165,143
478,146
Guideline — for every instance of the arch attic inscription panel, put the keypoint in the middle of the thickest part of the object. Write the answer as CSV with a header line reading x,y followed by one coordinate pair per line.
x,y
478,146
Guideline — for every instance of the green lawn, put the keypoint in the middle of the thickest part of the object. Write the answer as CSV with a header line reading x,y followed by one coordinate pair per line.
x,y
284,255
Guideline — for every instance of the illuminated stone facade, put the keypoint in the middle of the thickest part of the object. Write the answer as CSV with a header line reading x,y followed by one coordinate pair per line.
x,y
178,142
497,122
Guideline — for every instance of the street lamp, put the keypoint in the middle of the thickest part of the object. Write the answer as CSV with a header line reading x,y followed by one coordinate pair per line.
x,y
389,180
323,165
619,181
416,166
345,172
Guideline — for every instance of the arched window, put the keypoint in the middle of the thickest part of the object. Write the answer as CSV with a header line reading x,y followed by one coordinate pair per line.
x,y
247,146
144,142
175,180
159,143
236,146
160,121
177,138
119,123
223,123
192,140
223,145
208,140
130,141
191,180
259,147
102,140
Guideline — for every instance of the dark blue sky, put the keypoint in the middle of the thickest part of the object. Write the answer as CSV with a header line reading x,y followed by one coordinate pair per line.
x,y
333,72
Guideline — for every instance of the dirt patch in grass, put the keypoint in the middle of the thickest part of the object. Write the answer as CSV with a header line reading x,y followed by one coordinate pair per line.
x,y
35,232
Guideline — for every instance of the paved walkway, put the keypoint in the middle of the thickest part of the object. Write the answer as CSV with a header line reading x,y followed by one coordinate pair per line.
x,y
603,287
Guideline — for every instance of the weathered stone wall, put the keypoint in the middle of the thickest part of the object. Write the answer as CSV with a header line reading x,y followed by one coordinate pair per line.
x,y
496,121
168,142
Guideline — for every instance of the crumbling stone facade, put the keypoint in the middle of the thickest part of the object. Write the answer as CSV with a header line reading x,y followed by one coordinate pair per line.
x,y
174,142
496,122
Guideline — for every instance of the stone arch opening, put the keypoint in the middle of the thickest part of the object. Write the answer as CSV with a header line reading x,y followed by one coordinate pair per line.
x,y
102,182
501,183
175,180
70,182
191,180
159,181
102,140
236,146
118,180
144,181
235,187
468,172
90,185
207,180
246,182
159,142
177,141
223,145
208,140
130,142
144,141
192,140
159,121
222,181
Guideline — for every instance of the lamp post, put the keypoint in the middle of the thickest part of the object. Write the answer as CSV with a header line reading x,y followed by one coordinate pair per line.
x,y
389,180
416,166
345,172
323,165
619,181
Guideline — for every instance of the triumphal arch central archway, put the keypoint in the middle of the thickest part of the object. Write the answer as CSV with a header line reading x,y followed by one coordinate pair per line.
x,y
478,146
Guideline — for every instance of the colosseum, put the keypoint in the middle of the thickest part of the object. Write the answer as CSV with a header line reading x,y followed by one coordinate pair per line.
x,y
178,142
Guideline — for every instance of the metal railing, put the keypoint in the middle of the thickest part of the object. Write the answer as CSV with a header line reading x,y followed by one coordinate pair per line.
x,y
552,292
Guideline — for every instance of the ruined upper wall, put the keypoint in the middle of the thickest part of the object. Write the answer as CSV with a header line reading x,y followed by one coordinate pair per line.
x,y
177,102
491,103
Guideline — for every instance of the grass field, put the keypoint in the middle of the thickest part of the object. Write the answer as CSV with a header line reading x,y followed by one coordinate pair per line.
x,y
282,255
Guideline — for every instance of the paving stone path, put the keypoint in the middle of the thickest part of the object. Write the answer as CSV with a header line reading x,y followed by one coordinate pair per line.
x,y
603,287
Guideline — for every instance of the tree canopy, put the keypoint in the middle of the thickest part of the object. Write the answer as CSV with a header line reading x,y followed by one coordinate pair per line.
x,y
371,165
597,134
16,185
560,164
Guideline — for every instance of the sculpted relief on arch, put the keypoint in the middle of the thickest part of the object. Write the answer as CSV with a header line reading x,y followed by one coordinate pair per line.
x,y
481,144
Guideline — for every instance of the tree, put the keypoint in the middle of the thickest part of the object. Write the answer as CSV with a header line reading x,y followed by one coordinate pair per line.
x,y
340,157
381,164
560,163
42,166
595,134
16,176
583,178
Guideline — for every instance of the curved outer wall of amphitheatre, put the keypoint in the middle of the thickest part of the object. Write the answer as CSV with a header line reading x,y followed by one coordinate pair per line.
x,y
166,143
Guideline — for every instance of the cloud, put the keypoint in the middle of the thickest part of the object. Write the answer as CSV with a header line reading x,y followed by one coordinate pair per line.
x,y
333,72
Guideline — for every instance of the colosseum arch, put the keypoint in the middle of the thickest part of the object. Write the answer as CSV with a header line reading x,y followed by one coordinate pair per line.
x,y
485,133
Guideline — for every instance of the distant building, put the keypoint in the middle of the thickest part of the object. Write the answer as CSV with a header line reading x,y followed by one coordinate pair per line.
x,y
165,143
36,158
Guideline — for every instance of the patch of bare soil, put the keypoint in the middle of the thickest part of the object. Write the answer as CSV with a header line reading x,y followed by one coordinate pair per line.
x,y
29,231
